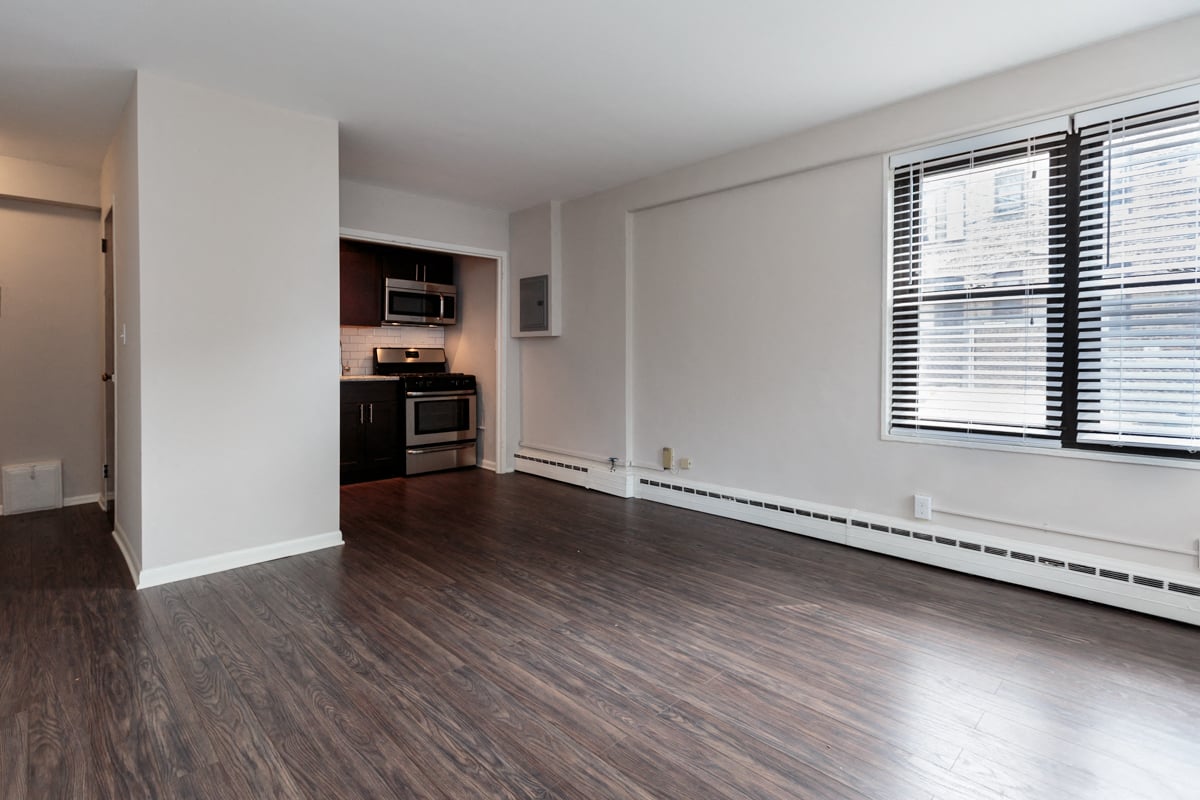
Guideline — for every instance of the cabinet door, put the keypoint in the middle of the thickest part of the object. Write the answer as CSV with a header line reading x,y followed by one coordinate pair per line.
x,y
361,284
381,433
437,268
399,263
352,431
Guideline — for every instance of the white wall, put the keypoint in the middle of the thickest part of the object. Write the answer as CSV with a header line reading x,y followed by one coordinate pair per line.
x,y
786,274
471,344
119,192
50,358
573,385
239,323
431,219
35,180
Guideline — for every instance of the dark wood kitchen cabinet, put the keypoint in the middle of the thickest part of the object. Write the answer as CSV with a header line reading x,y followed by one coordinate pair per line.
x,y
427,266
361,284
365,265
372,441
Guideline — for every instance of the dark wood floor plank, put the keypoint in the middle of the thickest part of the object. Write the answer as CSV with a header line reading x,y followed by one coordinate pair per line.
x,y
485,636
59,766
886,764
717,751
311,746
14,756
238,739
426,745
551,754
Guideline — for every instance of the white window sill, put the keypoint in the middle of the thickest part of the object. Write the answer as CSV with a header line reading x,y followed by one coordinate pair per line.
x,y
1044,449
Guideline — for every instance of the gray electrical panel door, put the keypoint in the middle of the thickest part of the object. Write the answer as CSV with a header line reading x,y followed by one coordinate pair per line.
x,y
535,303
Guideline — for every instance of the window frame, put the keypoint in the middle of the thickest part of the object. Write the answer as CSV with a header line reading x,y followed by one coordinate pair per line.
x,y
1067,444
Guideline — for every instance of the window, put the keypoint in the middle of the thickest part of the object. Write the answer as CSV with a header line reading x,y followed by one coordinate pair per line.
x,y
1009,192
1061,306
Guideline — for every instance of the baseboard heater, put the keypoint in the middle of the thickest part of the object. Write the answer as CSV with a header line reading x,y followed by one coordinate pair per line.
x,y
1125,585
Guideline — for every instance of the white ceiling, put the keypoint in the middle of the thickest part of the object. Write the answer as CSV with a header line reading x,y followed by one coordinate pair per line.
x,y
506,103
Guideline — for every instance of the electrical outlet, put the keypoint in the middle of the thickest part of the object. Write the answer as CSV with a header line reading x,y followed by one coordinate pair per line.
x,y
922,506
685,463
668,458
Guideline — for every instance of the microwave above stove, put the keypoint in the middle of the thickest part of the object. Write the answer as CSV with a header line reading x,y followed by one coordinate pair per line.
x,y
419,303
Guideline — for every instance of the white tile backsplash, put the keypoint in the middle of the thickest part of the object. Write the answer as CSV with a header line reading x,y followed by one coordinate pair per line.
x,y
358,344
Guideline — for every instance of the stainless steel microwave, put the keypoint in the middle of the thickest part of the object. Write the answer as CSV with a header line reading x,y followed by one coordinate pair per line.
x,y
419,303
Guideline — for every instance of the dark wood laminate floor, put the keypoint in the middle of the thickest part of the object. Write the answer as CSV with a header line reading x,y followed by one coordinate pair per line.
x,y
482,636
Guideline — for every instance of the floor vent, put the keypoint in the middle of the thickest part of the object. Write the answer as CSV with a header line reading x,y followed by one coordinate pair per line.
x,y
548,462
31,487
860,525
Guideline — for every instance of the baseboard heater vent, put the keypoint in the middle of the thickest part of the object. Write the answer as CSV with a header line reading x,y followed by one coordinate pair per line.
x,y
31,487
940,540
548,462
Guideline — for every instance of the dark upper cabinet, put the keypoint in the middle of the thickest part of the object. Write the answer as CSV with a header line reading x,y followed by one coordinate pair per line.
x,y
418,265
365,265
361,284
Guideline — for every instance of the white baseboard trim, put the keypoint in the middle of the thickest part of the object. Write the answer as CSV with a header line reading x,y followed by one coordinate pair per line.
x,y
157,576
1172,594
595,475
131,562
78,500
487,463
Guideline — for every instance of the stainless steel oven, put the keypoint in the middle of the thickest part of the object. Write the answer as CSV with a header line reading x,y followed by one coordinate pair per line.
x,y
440,422
438,417
439,430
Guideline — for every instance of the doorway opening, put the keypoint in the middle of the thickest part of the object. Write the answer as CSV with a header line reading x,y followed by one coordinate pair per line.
x,y
108,493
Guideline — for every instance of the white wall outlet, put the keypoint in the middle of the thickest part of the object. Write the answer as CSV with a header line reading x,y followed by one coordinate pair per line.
x,y
685,463
922,506
668,458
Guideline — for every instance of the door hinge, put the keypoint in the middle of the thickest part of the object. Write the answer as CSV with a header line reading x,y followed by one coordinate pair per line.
x,y
106,470
104,245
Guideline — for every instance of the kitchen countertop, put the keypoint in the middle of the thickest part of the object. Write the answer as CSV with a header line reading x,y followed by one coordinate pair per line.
x,y
370,377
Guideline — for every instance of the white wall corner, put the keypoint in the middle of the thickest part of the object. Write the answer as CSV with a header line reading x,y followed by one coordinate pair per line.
x,y
131,560
535,248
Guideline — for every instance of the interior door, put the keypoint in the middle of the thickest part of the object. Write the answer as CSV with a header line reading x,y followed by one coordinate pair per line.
x,y
110,388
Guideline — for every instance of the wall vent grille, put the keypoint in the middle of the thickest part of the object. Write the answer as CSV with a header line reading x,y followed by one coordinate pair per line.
x,y
550,463
874,527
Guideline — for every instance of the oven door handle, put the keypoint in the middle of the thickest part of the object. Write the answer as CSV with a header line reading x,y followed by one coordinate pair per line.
x,y
416,451
456,393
